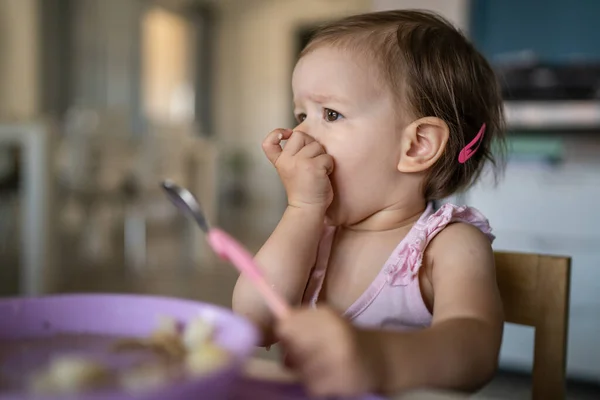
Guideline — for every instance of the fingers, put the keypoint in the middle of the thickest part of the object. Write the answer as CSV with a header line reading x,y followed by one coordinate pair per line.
x,y
325,161
305,353
271,145
315,372
299,349
317,379
287,328
311,150
297,141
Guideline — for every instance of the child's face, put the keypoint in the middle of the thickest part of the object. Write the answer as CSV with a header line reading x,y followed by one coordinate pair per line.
x,y
340,101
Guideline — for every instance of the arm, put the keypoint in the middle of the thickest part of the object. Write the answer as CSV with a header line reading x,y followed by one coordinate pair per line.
x,y
285,259
289,254
460,349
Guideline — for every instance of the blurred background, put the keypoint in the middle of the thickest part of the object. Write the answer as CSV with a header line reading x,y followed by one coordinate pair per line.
x,y
102,99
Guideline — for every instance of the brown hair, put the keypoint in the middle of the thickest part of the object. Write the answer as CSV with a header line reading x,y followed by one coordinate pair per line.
x,y
430,64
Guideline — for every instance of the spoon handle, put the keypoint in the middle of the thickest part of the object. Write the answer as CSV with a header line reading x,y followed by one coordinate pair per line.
x,y
231,250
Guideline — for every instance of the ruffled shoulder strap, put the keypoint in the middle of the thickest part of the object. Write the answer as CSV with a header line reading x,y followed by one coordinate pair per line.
x,y
409,256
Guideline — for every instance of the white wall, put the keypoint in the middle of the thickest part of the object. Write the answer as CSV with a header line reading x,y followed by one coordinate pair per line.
x,y
256,50
19,59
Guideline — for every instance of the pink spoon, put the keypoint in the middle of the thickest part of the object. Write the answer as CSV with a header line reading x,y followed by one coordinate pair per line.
x,y
226,247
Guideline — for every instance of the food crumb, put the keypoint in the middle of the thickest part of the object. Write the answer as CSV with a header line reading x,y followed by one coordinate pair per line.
x,y
146,377
205,359
69,374
197,334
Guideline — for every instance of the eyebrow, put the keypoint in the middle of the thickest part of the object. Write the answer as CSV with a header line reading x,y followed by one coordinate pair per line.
x,y
321,98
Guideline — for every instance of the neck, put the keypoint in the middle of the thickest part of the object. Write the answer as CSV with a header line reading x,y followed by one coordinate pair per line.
x,y
394,217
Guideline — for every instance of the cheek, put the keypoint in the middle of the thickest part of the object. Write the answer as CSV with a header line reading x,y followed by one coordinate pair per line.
x,y
352,167
346,158
362,168
362,153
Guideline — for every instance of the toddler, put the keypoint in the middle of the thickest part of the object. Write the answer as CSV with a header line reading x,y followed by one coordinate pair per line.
x,y
395,110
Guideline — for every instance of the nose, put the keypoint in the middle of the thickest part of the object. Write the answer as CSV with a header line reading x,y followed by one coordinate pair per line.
x,y
305,127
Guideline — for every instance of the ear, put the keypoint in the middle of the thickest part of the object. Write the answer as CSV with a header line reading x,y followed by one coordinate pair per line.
x,y
422,144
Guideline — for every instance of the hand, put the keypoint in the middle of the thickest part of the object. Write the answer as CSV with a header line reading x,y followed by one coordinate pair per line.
x,y
331,356
303,167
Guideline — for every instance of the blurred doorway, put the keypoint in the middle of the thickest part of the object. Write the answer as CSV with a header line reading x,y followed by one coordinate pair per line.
x,y
168,66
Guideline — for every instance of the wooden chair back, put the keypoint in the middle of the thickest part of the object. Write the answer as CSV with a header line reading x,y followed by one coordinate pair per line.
x,y
535,291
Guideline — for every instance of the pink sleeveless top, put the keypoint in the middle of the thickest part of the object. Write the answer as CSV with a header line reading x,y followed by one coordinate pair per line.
x,y
393,300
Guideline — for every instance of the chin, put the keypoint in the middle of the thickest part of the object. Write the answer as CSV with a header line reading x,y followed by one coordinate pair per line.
x,y
329,220
341,214
345,216
332,216
336,216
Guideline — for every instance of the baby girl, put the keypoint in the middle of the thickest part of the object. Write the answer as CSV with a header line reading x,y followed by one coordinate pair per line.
x,y
395,110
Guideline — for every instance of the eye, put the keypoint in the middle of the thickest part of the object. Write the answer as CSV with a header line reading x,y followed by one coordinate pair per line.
x,y
331,115
300,117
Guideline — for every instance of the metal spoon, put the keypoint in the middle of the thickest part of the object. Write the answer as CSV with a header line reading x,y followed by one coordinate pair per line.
x,y
226,247
186,203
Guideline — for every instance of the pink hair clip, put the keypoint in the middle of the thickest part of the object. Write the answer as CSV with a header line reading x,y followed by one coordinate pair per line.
x,y
472,147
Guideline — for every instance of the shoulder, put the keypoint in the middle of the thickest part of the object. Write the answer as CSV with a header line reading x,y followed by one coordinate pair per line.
x,y
461,240
450,214
461,270
460,249
459,237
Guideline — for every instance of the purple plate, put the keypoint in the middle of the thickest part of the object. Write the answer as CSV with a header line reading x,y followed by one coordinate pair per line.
x,y
130,315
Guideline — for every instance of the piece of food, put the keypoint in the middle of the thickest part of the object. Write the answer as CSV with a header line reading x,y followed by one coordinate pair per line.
x,y
147,377
165,341
167,326
168,346
206,359
69,374
178,353
197,333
